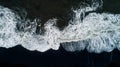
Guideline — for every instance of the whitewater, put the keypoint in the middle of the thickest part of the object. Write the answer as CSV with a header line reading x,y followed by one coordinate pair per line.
x,y
96,32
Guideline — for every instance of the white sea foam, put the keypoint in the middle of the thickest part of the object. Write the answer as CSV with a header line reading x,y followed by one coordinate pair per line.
x,y
96,32
101,31
10,36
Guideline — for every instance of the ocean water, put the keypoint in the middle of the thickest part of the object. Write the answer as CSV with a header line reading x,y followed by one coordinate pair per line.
x,y
77,33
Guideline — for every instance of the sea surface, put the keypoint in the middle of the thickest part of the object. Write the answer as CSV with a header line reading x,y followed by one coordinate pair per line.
x,y
62,10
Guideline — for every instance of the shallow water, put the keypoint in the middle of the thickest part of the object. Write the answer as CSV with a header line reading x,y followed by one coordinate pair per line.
x,y
63,11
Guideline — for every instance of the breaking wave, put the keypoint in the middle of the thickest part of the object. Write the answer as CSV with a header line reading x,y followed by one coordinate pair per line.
x,y
95,32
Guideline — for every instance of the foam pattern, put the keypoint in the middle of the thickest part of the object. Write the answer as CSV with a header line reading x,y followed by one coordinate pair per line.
x,y
96,32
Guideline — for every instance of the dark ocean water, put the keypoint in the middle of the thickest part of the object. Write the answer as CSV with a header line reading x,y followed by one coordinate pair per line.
x,y
46,9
